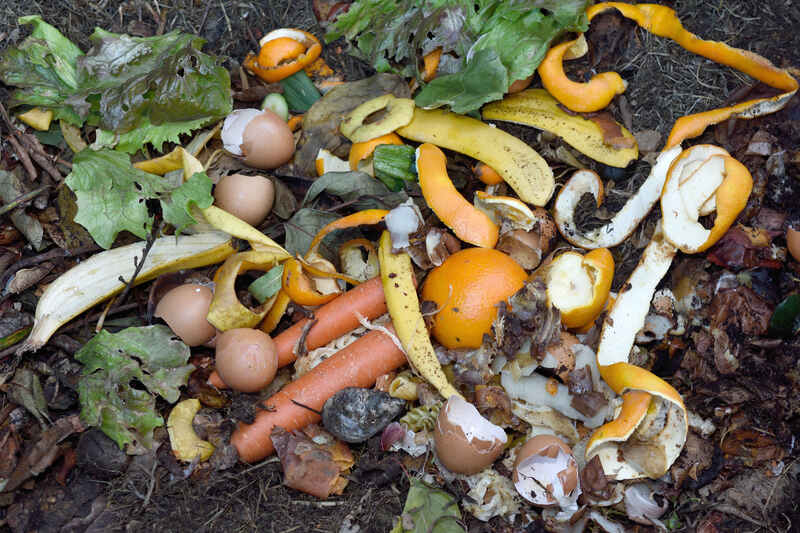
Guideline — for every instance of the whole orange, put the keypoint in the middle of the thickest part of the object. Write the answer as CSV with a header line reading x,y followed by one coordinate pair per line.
x,y
466,289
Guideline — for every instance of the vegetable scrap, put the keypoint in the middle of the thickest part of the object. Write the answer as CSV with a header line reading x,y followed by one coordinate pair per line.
x,y
475,296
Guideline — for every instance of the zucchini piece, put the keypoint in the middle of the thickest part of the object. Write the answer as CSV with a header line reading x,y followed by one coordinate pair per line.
x,y
394,164
299,92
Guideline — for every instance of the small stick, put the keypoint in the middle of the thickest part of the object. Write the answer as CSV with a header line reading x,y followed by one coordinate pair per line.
x,y
138,264
24,158
22,198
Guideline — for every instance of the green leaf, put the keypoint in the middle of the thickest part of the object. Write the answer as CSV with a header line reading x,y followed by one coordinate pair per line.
x,y
360,188
267,285
121,377
44,68
112,194
429,510
196,191
133,141
513,35
785,320
142,89
301,228
484,79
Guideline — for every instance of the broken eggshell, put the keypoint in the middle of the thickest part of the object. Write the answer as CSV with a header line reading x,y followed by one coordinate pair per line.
x,y
184,309
355,414
641,506
465,441
546,473
261,138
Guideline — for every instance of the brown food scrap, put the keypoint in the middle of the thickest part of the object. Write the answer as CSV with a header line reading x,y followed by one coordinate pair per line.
x,y
752,446
742,308
743,247
612,131
697,456
594,482
495,405
307,466
724,353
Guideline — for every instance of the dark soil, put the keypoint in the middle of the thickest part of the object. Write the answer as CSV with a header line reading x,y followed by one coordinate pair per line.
x,y
755,473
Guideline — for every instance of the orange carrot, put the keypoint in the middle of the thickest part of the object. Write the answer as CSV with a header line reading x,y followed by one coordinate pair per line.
x,y
333,320
358,364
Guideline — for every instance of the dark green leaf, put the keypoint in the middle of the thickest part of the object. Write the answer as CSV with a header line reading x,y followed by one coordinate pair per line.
x,y
360,188
301,228
785,320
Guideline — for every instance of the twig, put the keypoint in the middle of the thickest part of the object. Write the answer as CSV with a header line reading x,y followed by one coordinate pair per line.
x,y
138,264
77,324
21,199
23,156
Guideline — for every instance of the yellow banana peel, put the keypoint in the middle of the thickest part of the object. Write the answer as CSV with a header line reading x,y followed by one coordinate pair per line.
x,y
397,275
185,443
519,164
535,107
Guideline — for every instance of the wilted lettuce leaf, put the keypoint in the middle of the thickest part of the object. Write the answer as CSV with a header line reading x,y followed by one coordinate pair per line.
x,y
133,140
44,69
112,196
151,89
301,228
429,510
122,374
479,36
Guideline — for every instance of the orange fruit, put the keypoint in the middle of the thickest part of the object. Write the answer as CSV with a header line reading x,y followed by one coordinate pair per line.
x,y
466,289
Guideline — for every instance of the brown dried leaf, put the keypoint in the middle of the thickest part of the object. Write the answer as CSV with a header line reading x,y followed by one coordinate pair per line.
x,y
612,131
28,277
307,466
741,308
752,446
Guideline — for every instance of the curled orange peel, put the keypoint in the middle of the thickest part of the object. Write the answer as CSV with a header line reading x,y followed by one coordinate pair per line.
x,y
430,63
363,150
468,223
569,275
273,316
487,174
359,218
283,52
662,21
299,288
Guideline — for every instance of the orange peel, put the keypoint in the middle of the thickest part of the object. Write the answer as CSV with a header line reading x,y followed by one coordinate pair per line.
x,y
579,285
467,222
327,162
299,288
662,21
283,52
487,174
507,208
359,218
430,63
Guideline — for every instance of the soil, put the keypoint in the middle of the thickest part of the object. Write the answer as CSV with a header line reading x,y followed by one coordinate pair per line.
x,y
744,477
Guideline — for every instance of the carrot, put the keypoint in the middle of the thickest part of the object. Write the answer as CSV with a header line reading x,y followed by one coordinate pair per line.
x,y
358,364
333,320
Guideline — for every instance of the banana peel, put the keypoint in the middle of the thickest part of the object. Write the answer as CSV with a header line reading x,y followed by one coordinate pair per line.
x,y
103,275
185,443
614,146
519,164
397,275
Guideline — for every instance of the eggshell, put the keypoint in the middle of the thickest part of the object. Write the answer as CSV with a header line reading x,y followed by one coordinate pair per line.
x,y
247,359
249,198
465,442
267,141
793,243
184,309
545,471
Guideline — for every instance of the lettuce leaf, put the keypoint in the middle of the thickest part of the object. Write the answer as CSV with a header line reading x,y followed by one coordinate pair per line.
x,y
486,44
113,195
122,374
138,89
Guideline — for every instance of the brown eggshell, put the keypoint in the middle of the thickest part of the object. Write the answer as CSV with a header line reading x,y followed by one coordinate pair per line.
x,y
562,352
247,359
545,446
249,198
184,309
793,243
267,141
454,449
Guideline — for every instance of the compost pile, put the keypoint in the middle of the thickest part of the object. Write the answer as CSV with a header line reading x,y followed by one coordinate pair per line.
x,y
399,266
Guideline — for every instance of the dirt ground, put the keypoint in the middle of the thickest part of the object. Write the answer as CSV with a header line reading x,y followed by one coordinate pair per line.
x,y
156,493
